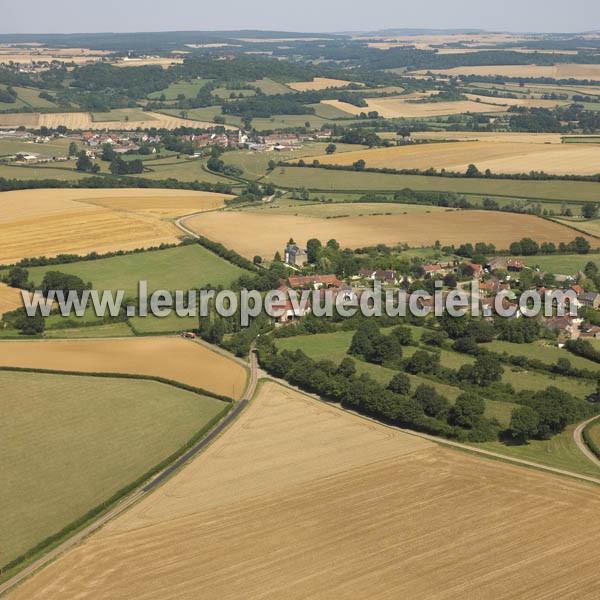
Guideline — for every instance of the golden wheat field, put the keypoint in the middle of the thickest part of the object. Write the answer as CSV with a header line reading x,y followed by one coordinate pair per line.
x,y
507,102
172,358
499,157
165,63
297,500
397,106
487,136
50,222
319,83
10,299
263,234
559,71
84,121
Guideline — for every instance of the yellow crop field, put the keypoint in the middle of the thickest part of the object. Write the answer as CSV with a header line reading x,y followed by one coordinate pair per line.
x,y
499,157
559,71
55,221
165,63
172,358
319,83
297,500
251,233
397,106
527,102
84,121
488,136
10,299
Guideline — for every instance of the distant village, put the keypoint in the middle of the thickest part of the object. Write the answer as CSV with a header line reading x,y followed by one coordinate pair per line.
x,y
131,142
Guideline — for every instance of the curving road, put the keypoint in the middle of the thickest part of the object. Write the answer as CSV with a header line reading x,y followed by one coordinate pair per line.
x,y
148,487
578,438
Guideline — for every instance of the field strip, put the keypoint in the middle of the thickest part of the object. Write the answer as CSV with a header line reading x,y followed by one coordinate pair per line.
x,y
172,358
253,233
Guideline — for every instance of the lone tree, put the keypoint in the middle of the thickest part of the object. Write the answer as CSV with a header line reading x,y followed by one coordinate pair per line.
x,y
331,148
524,423
589,210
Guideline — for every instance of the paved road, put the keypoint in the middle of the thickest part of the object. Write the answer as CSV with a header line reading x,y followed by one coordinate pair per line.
x,y
578,437
127,502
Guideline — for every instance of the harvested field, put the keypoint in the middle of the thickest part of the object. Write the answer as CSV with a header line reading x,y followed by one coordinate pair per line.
x,y
560,71
527,102
50,222
10,299
164,206
340,209
172,358
252,233
490,136
365,512
165,63
394,107
319,83
499,157
83,120
70,443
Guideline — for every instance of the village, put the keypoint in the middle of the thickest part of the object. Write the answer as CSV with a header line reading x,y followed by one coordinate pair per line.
x,y
497,281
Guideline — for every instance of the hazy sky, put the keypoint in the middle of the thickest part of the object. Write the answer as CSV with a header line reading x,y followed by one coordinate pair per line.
x,y
66,16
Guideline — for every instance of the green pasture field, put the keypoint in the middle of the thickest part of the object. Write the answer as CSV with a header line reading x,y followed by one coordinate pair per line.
x,y
157,325
226,94
559,452
269,87
189,89
177,268
334,346
55,147
595,434
48,171
122,114
70,442
562,264
204,114
31,97
330,179
326,111
522,379
255,164
183,169
111,330
543,351
591,226
289,121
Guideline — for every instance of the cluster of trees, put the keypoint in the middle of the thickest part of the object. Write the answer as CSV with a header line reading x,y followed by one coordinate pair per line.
x,y
529,247
84,163
545,413
118,166
422,409
8,95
